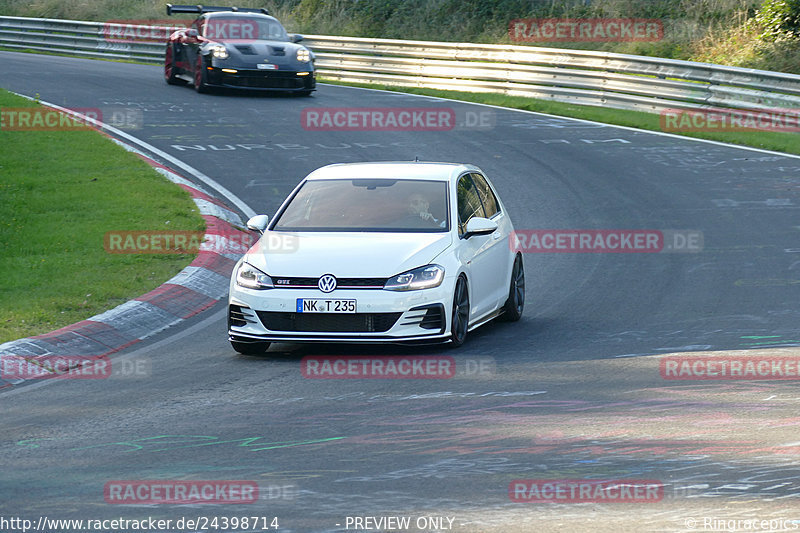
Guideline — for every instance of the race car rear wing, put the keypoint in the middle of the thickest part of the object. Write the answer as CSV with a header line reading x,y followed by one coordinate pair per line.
x,y
207,9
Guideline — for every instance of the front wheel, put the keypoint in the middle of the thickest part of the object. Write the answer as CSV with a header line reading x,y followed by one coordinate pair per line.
x,y
459,322
512,310
250,348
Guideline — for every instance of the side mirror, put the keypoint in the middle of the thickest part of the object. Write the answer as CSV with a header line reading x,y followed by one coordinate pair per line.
x,y
295,37
191,32
258,223
480,226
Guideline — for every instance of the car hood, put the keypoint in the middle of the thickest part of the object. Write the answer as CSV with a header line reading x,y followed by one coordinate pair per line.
x,y
372,255
252,52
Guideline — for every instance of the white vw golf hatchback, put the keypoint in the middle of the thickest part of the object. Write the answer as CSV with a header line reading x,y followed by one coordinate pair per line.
x,y
378,252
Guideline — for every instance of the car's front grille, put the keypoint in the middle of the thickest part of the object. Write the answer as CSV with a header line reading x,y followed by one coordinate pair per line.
x,y
330,322
272,80
341,283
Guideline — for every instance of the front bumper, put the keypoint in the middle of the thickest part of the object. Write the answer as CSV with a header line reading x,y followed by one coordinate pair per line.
x,y
382,316
265,80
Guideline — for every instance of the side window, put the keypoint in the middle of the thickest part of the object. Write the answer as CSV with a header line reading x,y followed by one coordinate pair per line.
x,y
469,202
488,198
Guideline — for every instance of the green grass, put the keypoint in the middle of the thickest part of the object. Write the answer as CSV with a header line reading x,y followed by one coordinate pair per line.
x,y
779,142
60,192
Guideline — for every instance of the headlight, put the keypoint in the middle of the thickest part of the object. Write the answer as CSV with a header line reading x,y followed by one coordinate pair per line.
x,y
219,51
426,277
249,276
303,55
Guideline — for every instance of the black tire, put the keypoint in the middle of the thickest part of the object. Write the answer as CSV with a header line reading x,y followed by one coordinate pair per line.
x,y
169,67
200,83
459,319
250,348
304,93
512,310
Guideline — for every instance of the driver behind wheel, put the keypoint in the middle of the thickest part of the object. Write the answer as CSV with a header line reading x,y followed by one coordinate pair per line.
x,y
419,206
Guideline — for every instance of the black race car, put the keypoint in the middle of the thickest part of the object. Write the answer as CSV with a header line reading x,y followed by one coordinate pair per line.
x,y
237,48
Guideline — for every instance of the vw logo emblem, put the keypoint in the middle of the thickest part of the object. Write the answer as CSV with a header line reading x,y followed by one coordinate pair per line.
x,y
327,283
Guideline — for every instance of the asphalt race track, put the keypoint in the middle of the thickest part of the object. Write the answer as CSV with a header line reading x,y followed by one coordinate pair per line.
x,y
572,391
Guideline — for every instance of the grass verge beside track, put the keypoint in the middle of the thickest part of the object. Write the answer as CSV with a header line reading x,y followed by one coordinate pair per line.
x,y
60,192
766,140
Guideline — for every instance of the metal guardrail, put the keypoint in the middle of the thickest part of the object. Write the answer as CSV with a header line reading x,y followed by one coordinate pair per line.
x,y
75,38
577,76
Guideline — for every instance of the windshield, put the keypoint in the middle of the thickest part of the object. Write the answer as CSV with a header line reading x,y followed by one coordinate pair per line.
x,y
383,205
239,27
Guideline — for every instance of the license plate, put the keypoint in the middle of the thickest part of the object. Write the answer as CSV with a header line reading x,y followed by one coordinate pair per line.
x,y
313,305
267,66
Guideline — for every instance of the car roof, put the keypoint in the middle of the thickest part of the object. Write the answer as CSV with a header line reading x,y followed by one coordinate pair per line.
x,y
237,14
393,170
